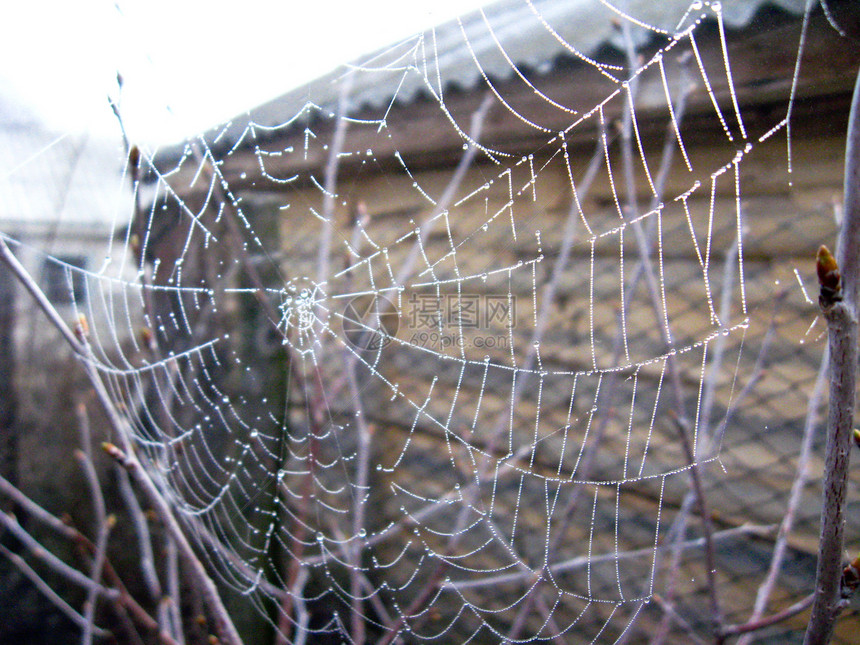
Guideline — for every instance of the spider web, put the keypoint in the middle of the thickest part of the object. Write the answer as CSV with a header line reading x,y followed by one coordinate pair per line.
x,y
392,401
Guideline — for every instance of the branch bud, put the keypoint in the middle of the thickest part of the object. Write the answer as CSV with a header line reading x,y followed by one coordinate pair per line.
x,y
829,278
82,328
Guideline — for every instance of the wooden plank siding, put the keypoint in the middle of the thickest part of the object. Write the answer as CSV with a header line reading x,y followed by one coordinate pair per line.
x,y
782,229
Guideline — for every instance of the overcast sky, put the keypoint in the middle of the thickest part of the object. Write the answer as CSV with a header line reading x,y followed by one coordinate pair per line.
x,y
188,64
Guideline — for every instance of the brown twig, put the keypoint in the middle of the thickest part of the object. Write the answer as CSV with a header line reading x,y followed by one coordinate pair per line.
x,y
125,600
476,127
773,619
794,499
431,586
53,562
583,561
330,180
672,615
839,306
643,269
710,555
104,523
141,530
224,625
359,505
33,510
172,599
316,418
49,593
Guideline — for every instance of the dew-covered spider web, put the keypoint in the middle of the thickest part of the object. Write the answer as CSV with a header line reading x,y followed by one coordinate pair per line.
x,y
442,347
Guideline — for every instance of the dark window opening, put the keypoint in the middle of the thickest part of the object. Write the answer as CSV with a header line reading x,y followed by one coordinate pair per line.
x,y
65,279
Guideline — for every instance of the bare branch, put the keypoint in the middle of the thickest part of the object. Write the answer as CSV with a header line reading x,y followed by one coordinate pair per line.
x,y
103,522
583,561
795,496
785,614
52,561
172,599
840,311
141,529
359,506
710,554
49,593
224,624
39,296
330,180
673,616
95,575
476,126
35,511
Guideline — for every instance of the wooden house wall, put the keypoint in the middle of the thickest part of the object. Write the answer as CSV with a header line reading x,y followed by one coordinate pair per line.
x,y
749,481
441,416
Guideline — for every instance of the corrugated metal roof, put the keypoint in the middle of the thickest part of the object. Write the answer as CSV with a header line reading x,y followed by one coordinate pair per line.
x,y
521,34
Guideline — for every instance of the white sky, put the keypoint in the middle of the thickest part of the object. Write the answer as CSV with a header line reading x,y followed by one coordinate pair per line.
x,y
188,64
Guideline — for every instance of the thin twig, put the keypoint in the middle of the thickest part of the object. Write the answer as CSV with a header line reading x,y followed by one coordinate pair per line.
x,y
126,604
583,561
841,319
34,511
643,269
144,540
173,597
476,127
397,528
343,545
794,500
52,561
49,593
96,574
103,522
477,121
330,180
359,504
672,615
316,418
302,619
39,296
430,587
224,625
84,457
773,619
126,601
710,555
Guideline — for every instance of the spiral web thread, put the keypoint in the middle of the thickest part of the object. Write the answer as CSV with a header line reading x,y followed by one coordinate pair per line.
x,y
463,417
